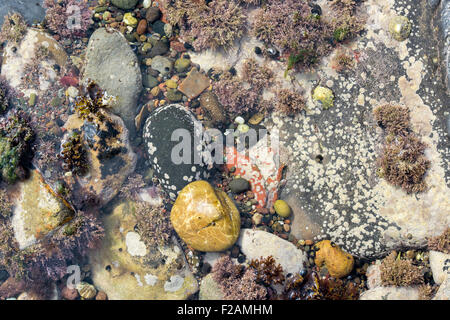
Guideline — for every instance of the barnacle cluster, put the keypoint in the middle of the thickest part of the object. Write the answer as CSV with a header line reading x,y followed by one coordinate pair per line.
x,y
402,161
74,154
14,28
399,271
267,271
15,145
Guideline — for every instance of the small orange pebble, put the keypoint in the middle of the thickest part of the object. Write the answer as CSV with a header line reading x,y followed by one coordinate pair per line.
x,y
175,78
308,242
287,221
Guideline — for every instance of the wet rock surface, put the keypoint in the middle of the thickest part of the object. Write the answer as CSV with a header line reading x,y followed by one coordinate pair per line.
x,y
112,64
125,268
32,11
161,145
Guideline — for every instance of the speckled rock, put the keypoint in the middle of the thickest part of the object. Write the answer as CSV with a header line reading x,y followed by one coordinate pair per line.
x,y
138,272
112,64
16,58
205,218
37,211
256,243
440,266
209,289
391,293
338,262
110,157
174,174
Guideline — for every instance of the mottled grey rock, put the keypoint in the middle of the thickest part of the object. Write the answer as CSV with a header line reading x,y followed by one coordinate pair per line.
x,y
440,266
112,64
256,244
209,289
32,11
162,64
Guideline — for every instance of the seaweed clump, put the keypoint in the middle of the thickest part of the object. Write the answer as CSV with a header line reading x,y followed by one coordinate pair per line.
x,y
440,243
74,154
309,286
402,161
289,102
207,24
49,258
15,147
153,224
268,271
259,77
68,18
14,28
236,281
399,272
91,101
301,32
234,96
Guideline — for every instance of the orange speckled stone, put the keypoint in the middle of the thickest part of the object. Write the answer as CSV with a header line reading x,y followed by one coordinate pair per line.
x,y
205,218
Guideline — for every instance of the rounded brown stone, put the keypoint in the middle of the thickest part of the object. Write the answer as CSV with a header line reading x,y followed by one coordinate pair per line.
x,y
205,218
142,27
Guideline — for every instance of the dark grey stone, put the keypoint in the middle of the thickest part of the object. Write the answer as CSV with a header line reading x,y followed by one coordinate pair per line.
x,y
159,128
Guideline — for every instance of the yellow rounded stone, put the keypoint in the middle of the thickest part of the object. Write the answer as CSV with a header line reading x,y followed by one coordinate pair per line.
x,y
338,262
205,218
282,208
